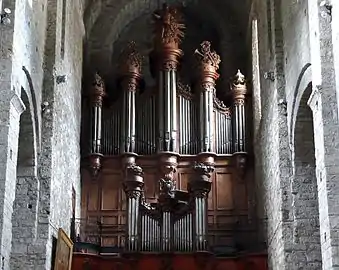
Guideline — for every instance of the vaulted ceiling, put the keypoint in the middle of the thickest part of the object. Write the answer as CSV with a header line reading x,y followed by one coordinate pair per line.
x,y
108,21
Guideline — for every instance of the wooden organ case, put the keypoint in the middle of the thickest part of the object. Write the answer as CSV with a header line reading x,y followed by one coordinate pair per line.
x,y
167,185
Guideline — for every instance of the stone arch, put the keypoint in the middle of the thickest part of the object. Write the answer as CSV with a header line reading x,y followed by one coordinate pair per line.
x,y
304,78
306,233
25,208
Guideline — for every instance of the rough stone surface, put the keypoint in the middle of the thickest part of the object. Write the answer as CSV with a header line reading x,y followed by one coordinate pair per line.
x,y
296,183
41,164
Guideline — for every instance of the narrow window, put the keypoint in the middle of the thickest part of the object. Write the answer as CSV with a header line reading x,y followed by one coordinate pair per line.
x,y
269,24
63,28
256,77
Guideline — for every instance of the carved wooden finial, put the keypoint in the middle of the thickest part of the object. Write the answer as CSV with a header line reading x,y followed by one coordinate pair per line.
x,y
206,56
239,86
130,59
97,91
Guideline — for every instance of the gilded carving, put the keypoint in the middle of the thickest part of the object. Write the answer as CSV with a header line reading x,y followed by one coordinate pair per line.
x,y
168,26
206,56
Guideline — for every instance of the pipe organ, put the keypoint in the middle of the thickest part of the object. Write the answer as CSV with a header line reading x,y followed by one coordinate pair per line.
x,y
162,133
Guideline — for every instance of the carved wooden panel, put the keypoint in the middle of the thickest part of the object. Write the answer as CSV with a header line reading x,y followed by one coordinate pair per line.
x,y
104,200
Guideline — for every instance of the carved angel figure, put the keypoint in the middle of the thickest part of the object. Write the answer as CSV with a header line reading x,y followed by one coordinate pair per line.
x,y
168,24
166,187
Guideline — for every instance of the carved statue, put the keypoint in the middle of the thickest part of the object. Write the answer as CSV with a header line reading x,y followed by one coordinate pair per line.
x,y
167,187
168,26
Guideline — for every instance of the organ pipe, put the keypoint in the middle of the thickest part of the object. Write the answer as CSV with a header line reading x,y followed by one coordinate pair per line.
x,y
97,94
239,121
133,187
168,35
131,63
239,125
200,186
208,65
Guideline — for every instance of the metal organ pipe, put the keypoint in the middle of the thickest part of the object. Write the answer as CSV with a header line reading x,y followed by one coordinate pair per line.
x,y
167,52
208,65
133,187
200,186
131,73
97,93
239,123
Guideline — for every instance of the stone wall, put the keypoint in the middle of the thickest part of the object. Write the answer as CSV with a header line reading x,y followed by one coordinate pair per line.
x,y
32,72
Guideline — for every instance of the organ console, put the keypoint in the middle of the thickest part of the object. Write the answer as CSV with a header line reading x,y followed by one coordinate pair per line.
x,y
163,158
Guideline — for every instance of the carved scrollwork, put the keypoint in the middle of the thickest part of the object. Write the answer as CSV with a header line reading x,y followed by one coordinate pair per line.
x,y
203,169
206,56
184,90
168,26
133,194
169,65
97,92
208,86
130,58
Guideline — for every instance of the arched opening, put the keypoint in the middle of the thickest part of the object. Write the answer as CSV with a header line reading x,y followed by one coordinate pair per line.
x,y
24,219
304,189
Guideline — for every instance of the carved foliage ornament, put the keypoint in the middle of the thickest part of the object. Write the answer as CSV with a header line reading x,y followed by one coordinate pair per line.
x,y
169,65
134,170
206,56
167,25
98,90
133,194
130,57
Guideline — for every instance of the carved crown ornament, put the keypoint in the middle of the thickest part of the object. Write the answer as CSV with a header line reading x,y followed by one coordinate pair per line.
x,y
203,169
207,57
97,91
239,86
130,59
168,26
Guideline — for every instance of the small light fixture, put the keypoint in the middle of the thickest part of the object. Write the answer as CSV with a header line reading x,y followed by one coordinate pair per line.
x,y
269,76
4,17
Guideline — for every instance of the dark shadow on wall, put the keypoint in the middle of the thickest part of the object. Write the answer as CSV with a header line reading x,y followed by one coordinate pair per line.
x,y
306,231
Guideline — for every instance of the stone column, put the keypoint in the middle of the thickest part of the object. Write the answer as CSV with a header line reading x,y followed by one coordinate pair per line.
x,y
208,63
324,104
200,186
133,187
130,68
97,93
167,39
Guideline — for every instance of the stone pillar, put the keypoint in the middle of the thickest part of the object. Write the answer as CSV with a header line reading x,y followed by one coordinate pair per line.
x,y
208,65
130,68
324,104
97,93
167,39
200,186
133,187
